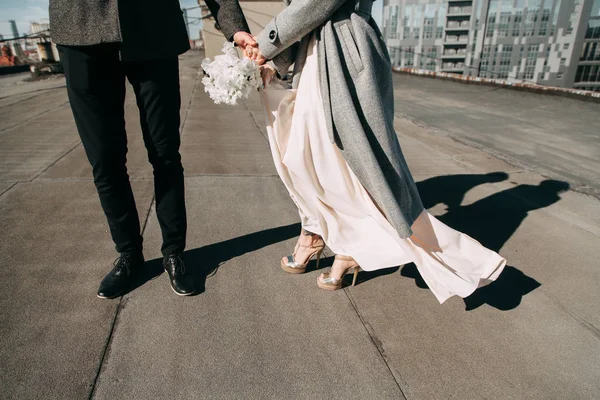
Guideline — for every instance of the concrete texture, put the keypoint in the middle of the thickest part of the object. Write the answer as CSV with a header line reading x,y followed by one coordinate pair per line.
x,y
556,137
255,332
52,330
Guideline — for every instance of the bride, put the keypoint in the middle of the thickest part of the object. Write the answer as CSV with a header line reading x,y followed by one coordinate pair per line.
x,y
335,149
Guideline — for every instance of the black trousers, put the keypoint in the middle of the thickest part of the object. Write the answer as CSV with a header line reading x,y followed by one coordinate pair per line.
x,y
96,87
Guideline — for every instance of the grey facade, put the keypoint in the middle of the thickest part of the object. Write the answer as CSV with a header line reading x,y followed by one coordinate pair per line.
x,y
551,42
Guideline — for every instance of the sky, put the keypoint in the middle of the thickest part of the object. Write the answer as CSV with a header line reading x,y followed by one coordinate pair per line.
x,y
26,11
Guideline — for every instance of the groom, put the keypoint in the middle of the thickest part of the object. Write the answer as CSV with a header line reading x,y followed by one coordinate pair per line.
x,y
102,43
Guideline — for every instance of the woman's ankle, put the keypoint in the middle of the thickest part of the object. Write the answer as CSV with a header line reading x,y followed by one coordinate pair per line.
x,y
308,238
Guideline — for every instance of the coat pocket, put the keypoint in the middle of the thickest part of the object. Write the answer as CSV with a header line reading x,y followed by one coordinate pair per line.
x,y
351,47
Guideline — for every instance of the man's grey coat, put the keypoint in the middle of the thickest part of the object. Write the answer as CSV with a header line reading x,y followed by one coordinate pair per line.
x,y
356,84
146,29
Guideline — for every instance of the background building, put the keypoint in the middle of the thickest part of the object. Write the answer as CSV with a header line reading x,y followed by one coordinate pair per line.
x,y
552,42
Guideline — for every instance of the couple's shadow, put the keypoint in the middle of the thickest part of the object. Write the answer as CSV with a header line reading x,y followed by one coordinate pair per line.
x,y
204,261
491,220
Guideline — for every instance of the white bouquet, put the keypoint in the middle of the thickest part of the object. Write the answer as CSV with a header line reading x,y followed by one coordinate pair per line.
x,y
230,78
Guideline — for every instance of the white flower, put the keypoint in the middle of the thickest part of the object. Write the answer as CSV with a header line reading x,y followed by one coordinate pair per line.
x,y
230,78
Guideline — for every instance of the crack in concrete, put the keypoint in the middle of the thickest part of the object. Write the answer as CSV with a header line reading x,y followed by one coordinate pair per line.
x,y
123,299
378,345
34,117
266,139
34,91
8,188
55,162
580,320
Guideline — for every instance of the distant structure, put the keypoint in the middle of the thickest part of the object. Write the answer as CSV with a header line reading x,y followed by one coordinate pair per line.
x,y
45,50
7,59
551,42
37,28
13,27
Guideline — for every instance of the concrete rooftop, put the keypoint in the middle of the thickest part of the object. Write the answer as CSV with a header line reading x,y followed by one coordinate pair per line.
x,y
490,162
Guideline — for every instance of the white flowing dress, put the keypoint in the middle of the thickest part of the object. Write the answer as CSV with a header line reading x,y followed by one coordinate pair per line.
x,y
333,204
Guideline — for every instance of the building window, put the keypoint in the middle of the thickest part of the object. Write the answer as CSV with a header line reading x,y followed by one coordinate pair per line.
x,y
531,20
428,58
491,25
441,21
594,73
563,61
531,60
395,55
566,46
544,24
595,9
409,61
428,29
503,24
593,28
587,73
590,52
559,75
406,23
517,20
483,66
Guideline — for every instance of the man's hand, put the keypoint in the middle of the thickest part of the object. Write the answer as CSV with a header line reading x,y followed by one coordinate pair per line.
x,y
246,42
243,39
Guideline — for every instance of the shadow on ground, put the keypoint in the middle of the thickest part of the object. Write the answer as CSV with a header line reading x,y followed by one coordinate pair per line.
x,y
491,221
205,261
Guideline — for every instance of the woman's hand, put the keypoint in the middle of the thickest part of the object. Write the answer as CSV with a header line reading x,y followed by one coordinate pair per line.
x,y
246,42
267,73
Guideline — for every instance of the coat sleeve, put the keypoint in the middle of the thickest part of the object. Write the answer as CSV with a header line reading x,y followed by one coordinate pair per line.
x,y
293,23
284,60
229,16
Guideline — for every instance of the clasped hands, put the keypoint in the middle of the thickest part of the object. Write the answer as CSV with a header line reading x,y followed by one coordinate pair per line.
x,y
249,46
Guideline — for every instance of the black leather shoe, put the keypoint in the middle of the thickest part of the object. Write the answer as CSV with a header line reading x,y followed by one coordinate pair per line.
x,y
181,283
118,281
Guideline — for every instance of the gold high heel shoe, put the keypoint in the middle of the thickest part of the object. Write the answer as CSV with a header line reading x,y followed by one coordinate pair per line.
x,y
327,282
289,264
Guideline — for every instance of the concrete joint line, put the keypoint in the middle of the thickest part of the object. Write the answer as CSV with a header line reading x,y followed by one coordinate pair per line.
x,y
8,188
255,123
55,161
35,91
115,318
34,117
121,300
580,320
376,342
105,351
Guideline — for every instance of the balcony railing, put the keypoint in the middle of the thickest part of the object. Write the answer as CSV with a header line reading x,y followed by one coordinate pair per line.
x,y
454,53
460,10
458,25
450,65
460,39
453,67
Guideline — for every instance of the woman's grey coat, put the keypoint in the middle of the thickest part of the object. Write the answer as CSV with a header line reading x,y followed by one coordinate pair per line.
x,y
356,85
